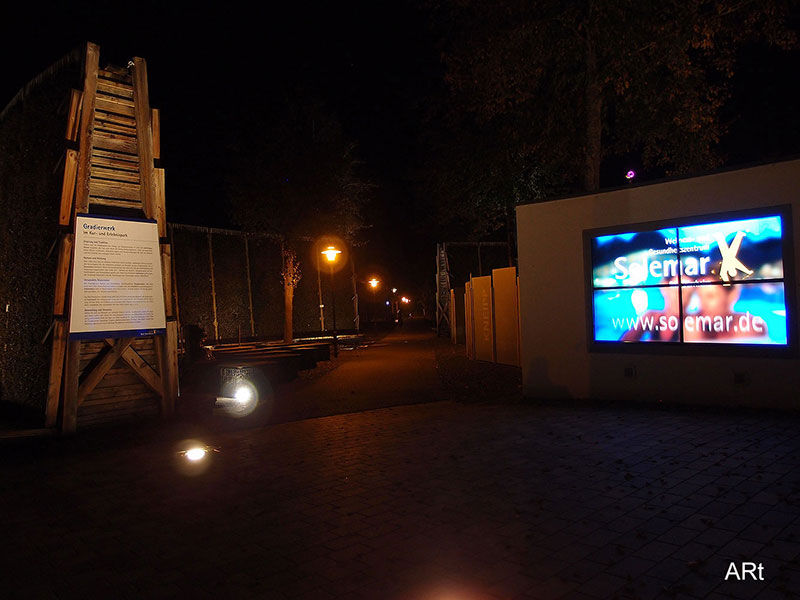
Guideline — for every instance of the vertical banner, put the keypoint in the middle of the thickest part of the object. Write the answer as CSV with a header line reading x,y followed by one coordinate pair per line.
x,y
506,315
116,279
482,316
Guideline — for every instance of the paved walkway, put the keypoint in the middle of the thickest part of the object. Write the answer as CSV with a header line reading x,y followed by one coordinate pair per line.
x,y
437,501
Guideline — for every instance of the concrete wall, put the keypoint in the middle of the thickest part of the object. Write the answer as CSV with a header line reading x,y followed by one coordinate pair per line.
x,y
556,362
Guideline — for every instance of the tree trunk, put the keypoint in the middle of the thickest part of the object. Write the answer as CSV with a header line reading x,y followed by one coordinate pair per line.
x,y
594,120
288,307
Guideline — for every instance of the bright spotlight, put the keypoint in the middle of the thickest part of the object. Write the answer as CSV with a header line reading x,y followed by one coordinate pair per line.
x,y
243,394
387,303
195,454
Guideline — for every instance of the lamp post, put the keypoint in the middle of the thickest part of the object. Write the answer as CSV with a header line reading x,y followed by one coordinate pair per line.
x,y
332,254
373,283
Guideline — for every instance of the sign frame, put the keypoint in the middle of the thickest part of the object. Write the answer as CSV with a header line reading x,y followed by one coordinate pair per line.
x,y
159,319
789,350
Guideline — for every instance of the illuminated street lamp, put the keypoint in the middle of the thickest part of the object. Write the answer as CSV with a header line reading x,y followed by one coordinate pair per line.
x,y
373,283
332,254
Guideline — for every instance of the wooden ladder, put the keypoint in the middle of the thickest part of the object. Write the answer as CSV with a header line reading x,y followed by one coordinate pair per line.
x,y
110,170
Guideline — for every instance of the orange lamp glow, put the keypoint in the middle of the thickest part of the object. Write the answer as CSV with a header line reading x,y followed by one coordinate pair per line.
x,y
331,253
373,282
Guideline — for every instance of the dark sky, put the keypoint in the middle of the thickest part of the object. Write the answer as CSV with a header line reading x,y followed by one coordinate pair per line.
x,y
213,67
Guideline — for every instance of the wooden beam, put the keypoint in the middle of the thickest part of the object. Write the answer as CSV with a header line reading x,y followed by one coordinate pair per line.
x,y
114,88
68,187
117,190
166,277
160,202
95,376
142,369
123,144
174,278
156,120
62,274
56,372
168,361
69,412
116,106
73,117
144,135
86,127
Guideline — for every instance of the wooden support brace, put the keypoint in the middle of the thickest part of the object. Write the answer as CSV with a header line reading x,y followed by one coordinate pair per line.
x,y
155,116
68,187
160,203
167,346
69,412
174,278
142,369
144,136
96,375
86,127
56,372
73,117
166,277
62,274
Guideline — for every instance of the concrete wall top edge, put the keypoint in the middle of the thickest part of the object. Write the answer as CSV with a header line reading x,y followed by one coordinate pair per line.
x,y
555,357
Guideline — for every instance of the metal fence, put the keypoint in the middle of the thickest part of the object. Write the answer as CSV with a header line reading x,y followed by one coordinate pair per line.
x,y
229,284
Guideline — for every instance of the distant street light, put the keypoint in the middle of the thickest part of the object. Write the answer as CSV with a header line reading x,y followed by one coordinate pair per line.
x,y
374,283
332,254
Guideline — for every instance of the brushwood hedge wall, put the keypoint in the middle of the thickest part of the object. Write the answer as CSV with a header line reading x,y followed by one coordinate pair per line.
x,y
32,149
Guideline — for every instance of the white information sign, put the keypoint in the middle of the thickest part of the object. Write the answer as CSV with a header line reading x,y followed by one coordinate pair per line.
x,y
116,279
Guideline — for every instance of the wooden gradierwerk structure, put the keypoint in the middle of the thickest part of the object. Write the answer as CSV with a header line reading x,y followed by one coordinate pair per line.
x,y
113,145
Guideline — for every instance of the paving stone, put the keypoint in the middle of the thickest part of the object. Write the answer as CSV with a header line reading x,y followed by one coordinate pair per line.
x,y
678,535
603,585
379,503
656,551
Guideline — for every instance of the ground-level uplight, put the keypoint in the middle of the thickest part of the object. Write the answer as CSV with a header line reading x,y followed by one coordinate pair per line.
x,y
193,460
195,454
243,394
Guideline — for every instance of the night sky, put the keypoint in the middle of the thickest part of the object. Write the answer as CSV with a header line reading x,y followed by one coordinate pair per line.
x,y
375,64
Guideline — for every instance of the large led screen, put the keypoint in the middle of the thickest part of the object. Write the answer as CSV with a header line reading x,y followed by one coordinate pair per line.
x,y
718,282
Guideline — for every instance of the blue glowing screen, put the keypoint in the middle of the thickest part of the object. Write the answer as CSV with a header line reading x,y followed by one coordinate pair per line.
x,y
718,282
